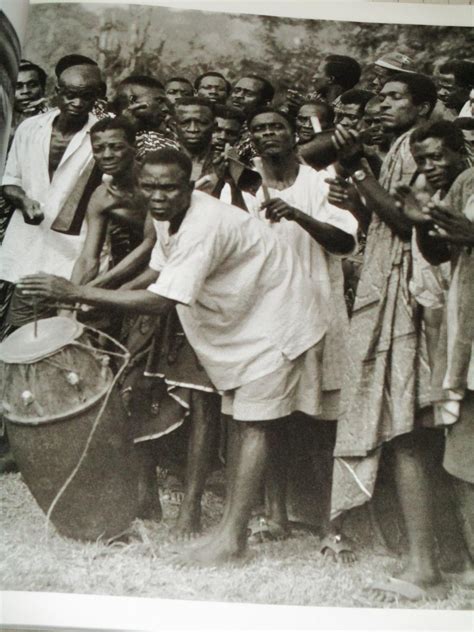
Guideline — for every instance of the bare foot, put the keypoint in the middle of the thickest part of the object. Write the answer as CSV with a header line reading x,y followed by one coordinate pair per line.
x,y
420,576
465,578
188,524
208,553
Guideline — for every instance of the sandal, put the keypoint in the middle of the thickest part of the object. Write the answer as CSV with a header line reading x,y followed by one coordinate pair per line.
x,y
262,529
335,544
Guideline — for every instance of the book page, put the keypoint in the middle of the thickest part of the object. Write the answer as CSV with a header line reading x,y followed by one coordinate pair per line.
x,y
50,581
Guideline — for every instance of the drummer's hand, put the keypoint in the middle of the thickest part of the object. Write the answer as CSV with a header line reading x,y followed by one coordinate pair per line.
x,y
49,286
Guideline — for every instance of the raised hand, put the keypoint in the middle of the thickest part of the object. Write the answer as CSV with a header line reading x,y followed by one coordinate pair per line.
x,y
348,145
450,226
412,205
342,193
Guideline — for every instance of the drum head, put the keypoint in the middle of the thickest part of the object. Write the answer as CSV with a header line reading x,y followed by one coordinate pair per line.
x,y
24,347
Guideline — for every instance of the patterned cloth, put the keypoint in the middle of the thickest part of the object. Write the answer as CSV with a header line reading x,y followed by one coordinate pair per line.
x,y
387,377
149,140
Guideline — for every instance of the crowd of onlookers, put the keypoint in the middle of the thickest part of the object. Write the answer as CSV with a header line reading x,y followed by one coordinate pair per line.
x,y
369,190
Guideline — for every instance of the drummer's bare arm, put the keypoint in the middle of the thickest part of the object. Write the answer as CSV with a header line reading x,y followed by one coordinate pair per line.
x,y
87,265
142,281
132,264
31,209
61,290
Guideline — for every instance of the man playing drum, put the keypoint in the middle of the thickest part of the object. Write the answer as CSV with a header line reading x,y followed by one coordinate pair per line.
x,y
242,297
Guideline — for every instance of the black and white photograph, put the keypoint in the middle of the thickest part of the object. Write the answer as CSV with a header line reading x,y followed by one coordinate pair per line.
x,y
236,307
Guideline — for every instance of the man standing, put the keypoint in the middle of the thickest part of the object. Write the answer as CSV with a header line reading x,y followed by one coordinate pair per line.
x,y
251,342
48,155
298,210
385,396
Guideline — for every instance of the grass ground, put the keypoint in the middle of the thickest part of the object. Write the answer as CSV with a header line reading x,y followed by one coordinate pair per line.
x,y
290,572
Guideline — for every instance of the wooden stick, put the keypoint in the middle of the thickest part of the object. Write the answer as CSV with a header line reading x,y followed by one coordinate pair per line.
x,y
35,317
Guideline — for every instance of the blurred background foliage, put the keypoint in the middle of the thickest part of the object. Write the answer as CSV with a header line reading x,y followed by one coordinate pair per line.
x,y
131,39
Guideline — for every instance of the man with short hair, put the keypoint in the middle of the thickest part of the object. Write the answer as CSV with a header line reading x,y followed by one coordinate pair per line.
x,y
249,93
143,101
113,148
455,80
29,91
304,127
444,234
336,74
349,109
194,119
228,121
251,342
214,86
178,88
49,154
385,395
375,138
298,210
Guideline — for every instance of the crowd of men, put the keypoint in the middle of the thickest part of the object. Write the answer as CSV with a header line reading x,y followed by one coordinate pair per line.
x,y
292,277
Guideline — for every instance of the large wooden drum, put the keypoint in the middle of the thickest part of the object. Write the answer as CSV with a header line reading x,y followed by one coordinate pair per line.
x,y
68,429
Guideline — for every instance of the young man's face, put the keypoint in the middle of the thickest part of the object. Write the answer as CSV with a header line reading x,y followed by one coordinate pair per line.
x,y
247,94
439,164
304,127
166,190
27,90
321,80
78,88
271,134
175,90
380,75
372,125
213,88
226,131
449,93
349,115
398,112
194,124
112,151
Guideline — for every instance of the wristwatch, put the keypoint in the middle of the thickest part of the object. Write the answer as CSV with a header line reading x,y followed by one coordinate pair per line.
x,y
360,175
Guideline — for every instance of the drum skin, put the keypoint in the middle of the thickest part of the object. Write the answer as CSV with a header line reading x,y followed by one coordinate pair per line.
x,y
49,417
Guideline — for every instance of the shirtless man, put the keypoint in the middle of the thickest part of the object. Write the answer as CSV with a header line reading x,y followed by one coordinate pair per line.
x,y
113,149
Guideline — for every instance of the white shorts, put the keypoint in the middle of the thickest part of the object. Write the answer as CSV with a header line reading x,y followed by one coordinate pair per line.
x,y
294,386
